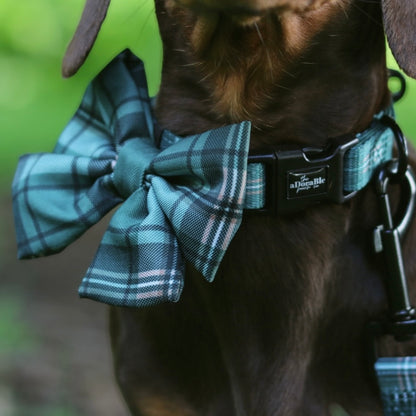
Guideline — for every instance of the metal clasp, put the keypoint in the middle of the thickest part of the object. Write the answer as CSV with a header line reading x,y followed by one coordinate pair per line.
x,y
401,324
387,236
387,239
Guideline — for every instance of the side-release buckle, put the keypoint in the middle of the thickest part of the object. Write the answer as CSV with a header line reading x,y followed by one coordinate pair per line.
x,y
298,178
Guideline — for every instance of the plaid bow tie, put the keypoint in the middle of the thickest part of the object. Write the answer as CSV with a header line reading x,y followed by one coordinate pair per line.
x,y
181,202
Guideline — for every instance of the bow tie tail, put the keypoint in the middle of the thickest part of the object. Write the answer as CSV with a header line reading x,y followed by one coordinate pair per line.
x,y
139,262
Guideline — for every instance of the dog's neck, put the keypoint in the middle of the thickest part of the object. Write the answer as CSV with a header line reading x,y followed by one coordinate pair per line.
x,y
297,78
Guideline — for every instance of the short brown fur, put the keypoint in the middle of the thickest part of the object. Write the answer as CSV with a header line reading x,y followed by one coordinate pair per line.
x,y
281,331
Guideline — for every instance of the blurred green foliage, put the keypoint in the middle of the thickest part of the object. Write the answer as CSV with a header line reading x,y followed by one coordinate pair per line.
x,y
15,334
36,103
337,410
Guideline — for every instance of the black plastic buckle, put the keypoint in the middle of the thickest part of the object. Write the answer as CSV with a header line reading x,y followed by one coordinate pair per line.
x,y
296,179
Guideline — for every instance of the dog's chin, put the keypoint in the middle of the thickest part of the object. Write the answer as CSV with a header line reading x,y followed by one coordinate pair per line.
x,y
247,12
245,20
211,12
213,18
209,29
214,32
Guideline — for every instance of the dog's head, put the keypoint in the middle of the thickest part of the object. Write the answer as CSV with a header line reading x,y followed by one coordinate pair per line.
x,y
399,18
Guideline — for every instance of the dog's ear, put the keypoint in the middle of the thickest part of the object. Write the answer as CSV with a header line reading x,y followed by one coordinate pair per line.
x,y
399,24
91,20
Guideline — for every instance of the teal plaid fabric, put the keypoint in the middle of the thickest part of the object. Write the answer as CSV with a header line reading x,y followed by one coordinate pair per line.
x,y
179,202
375,146
397,382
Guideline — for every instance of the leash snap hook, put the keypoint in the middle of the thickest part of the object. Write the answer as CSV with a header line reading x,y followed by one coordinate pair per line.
x,y
388,235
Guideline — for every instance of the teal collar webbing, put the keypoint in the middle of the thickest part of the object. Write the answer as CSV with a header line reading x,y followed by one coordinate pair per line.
x,y
285,181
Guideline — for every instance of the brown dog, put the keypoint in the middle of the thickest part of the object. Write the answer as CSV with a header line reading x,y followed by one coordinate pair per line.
x,y
281,331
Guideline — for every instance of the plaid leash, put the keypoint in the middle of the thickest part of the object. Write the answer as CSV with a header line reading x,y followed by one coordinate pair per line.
x,y
182,202
397,382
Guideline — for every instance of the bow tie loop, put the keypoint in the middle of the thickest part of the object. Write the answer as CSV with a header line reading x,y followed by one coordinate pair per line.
x,y
132,165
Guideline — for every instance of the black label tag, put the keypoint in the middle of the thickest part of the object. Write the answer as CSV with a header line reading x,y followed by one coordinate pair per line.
x,y
301,184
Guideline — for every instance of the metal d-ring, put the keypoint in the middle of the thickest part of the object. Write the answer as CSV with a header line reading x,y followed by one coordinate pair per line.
x,y
397,171
392,73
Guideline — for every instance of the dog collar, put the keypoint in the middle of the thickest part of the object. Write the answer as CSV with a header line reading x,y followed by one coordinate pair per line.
x,y
286,181
283,181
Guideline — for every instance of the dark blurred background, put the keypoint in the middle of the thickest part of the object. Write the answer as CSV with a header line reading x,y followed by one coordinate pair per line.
x,y
54,348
